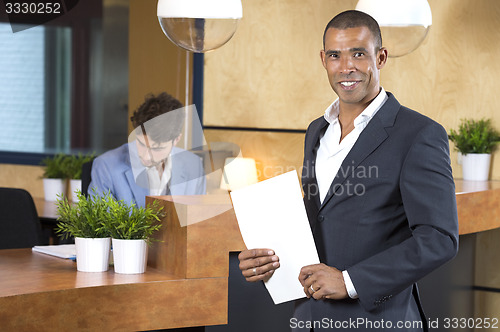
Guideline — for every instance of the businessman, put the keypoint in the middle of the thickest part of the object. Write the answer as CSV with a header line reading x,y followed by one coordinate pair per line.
x,y
379,195
150,164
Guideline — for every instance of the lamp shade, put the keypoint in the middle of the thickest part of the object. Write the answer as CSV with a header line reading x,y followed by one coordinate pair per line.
x,y
199,25
200,8
404,23
238,173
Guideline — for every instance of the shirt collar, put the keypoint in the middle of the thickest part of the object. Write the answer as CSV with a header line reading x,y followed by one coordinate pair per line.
x,y
332,112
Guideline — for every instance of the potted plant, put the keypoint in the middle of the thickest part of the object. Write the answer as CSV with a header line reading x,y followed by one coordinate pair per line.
x,y
475,140
131,229
84,220
73,169
54,177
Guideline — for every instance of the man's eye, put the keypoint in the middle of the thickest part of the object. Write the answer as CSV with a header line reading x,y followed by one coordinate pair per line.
x,y
358,54
333,56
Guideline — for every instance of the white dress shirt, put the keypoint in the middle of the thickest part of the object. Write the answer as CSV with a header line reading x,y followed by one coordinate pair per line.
x,y
157,185
332,152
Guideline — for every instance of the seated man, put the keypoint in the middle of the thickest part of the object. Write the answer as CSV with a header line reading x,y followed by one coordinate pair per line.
x,y
150,164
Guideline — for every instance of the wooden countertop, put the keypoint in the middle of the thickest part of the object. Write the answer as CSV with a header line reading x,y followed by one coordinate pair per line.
x,y
186,283
478,205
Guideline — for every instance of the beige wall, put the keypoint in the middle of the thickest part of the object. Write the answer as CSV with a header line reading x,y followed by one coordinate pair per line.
x,y
155,63
22,176
270,76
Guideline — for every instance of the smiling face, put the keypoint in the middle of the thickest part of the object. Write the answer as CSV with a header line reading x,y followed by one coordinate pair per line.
x,y
353,64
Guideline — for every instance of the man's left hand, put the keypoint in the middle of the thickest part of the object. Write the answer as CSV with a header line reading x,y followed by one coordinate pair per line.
x,y
323,282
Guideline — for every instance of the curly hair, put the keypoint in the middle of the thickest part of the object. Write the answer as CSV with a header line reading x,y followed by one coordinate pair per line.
x,y
169,127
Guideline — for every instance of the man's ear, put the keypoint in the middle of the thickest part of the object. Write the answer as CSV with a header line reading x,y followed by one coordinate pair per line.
x,y
322,56
381,58
176,140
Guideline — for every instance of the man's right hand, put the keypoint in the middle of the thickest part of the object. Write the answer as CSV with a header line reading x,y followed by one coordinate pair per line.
x,y
258,264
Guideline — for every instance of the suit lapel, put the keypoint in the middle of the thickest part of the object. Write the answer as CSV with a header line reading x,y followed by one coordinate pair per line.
x,y
179,179
140,188
369,140
310,166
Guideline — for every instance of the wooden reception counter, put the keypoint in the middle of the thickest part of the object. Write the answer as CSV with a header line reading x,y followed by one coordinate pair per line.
x,y
186,283
478,205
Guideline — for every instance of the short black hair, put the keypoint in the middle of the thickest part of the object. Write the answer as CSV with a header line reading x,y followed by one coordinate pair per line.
x,y
355,19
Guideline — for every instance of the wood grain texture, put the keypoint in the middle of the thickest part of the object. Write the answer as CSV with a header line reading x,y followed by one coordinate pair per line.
x,y
22,176
478,207
274,153
48,294
269,75
185,284
155,63
198,233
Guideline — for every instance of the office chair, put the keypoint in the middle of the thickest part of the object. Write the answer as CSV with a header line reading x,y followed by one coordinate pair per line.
x,y
86,177
19,223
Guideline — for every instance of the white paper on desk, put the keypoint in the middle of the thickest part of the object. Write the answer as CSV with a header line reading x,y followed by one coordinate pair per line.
x,y
271,214
67,251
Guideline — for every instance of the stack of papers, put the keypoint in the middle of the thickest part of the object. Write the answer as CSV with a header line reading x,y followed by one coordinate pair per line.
x,y
67,251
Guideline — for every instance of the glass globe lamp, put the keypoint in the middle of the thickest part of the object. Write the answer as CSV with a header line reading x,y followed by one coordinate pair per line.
x,y
404,23
199,25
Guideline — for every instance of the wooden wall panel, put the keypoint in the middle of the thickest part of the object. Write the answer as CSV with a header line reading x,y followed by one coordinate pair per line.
x,y
274,153
453,74
270,76
24,177
156,64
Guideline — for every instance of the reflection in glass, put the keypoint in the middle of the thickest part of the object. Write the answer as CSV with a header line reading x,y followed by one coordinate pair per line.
x,y
198,34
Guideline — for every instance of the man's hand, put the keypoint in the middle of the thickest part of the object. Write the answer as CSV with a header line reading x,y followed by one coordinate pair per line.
x,y
327,282
258,264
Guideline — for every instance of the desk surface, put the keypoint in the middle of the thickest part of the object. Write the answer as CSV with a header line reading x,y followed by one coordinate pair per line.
x,y
52,293
54,274
43,293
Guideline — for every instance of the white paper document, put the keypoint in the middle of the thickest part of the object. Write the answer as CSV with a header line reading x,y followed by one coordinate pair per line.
x,y
67,251
271,214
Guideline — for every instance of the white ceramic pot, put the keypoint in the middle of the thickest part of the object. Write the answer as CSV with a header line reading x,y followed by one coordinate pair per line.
x,y
130,256
92,254
53,187
476,166
74,185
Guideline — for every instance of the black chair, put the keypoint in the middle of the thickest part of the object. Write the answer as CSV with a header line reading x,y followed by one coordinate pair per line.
x,y
19,223
86,176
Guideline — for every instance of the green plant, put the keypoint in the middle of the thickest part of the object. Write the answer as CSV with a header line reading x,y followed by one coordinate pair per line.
x,y
54,167
84,218
475,136
72,165
129,222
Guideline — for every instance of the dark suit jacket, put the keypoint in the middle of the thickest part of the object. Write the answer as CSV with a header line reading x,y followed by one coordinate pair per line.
x,y
389,218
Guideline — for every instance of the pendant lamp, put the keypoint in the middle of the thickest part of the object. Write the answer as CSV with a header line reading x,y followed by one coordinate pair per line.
x,y
404,23
199,25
